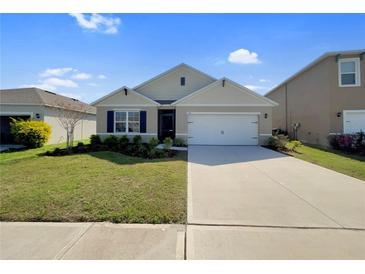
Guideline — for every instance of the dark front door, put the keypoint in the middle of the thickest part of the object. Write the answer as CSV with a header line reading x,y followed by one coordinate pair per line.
x,y
166,119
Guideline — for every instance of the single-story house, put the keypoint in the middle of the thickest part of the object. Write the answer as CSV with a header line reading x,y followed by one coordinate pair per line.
x,y
43,105
188,104
327,97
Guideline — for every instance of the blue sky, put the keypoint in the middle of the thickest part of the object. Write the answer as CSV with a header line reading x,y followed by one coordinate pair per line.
x,y
87,56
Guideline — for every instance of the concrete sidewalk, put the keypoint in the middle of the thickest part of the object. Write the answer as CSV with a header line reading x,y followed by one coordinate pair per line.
x,y
91,241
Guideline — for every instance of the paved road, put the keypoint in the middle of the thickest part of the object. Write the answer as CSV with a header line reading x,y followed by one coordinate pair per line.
x,y
251,202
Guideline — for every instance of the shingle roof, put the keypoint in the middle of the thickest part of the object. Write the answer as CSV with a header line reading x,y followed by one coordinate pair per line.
x,y
36,96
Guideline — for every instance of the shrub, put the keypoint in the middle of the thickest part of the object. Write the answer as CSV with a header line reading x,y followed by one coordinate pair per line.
x,y
333,141
123,142
95,140
179,142
293,145
167,143
30,133
137,139
153,142
350,143
112,142
279,131
278,141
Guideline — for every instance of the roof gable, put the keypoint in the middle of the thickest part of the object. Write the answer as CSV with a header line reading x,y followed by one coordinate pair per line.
x,y
166,86
224,92
124,96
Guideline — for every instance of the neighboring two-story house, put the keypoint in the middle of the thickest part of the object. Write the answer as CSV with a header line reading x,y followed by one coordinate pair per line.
x,y
186,103
324,98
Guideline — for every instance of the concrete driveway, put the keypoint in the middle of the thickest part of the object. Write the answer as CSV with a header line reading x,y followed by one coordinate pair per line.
x,y
284,201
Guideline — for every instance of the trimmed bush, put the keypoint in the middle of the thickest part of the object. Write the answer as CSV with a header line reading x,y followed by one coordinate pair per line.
x,y
278,141
293,145
167,143
112,142
95,140
123,142
30,133
179,142
137,139
153,143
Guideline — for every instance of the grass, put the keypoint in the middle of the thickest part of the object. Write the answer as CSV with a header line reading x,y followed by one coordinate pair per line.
x,y
98,186
352,165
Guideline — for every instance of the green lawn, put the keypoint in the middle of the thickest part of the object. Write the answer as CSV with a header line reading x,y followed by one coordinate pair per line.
x,y
351,165
99,186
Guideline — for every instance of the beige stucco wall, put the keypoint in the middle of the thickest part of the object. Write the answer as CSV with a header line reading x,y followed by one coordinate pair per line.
x,y
17,109
181,119
314,98
83,129
265,125
344,98
279,112
168,87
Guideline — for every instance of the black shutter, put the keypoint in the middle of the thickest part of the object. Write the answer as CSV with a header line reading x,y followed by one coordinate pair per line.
x,y
142,121
110,121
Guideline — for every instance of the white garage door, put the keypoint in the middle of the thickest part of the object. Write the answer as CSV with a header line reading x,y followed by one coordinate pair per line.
x,y
354,121
222,129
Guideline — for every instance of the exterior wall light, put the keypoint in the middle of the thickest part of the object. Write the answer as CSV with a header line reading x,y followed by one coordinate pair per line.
x,y
265,115
338,114
37,116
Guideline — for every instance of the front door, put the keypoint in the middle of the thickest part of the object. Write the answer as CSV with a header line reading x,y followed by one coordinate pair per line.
x,y
166,123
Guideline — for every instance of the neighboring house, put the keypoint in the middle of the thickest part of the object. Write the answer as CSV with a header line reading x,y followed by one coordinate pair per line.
x,y
42,105
187,104
324,98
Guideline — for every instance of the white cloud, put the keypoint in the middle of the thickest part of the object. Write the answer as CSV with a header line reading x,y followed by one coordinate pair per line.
x,y
264,80
243,56
56,72
81,76
52,84
97,22
72,95
57,82
101,76
255,87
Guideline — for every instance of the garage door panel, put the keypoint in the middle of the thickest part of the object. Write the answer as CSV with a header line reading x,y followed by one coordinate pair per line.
x,y
223,129
354,121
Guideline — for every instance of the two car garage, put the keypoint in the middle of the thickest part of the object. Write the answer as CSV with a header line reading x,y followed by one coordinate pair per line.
x,y
223,128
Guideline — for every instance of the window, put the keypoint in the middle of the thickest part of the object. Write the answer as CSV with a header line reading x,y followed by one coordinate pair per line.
x,y
182,81
349,72
126,121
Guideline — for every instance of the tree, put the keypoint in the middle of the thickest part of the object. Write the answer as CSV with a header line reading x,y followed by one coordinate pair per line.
x,y
69,115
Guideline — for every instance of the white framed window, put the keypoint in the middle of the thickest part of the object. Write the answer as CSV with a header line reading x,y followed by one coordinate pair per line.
x,y
126,121
349,72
